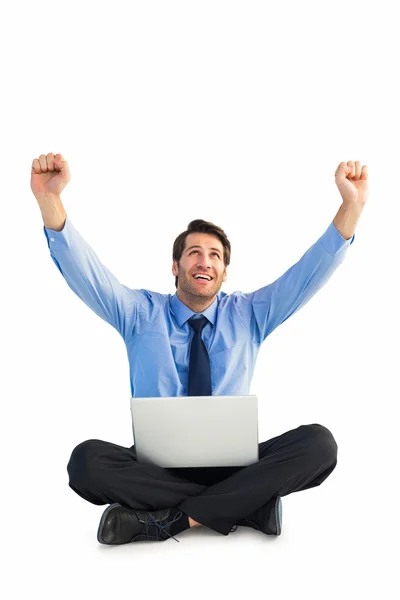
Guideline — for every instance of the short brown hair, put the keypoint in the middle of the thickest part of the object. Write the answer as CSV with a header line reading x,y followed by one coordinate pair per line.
x,y
200,226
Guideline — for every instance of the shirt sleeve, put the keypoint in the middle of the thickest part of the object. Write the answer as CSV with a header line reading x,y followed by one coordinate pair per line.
x,y
263,310
90,280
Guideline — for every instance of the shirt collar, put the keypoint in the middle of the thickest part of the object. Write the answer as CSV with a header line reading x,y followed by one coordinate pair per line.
x,y
182,312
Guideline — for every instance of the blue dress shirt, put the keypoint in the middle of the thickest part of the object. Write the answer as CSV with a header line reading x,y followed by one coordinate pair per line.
x,y
154,326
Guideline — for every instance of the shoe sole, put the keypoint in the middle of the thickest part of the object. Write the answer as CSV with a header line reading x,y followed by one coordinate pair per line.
x,y
278,515
102,520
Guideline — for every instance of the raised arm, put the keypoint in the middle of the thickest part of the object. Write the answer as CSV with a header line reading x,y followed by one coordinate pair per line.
x,y
268,307
84,273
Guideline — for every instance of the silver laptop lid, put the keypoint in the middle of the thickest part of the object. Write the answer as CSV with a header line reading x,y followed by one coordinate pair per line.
x,y
196,431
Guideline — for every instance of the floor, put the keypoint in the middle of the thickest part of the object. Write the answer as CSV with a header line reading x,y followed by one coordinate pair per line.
x,y
327,550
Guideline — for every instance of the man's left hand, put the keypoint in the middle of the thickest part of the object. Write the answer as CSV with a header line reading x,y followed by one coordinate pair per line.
x,y
352,182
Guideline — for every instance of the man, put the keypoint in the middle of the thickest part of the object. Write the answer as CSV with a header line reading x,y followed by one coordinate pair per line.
x,y
199,341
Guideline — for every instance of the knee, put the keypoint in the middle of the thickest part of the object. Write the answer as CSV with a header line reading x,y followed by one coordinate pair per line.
x,y
82,462
321,443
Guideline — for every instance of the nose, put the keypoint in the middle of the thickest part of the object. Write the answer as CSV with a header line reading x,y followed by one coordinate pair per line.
x,y
204,263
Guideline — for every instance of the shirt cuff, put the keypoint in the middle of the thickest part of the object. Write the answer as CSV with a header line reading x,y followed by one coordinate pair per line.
x,y
333,241
60,240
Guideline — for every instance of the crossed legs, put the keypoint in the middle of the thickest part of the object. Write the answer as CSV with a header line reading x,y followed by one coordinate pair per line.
x,y
105,473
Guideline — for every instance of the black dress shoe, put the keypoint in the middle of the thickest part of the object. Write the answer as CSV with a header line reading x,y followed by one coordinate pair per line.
x,y
267,519
122,525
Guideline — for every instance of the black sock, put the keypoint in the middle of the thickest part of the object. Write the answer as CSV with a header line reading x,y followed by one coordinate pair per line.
x,y
180,524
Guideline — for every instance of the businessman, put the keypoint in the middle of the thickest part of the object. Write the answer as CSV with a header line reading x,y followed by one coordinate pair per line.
x,y
198,341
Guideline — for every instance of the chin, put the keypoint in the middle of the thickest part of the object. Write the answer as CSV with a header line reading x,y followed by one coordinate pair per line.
x,y
188,289
207,294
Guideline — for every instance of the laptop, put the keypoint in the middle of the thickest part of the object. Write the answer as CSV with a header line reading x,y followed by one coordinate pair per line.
x,y
196,431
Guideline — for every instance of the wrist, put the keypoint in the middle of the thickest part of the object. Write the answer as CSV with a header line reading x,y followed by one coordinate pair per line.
x,y
47,197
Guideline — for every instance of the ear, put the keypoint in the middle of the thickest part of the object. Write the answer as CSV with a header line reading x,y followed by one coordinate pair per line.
x,y
225,277
175,268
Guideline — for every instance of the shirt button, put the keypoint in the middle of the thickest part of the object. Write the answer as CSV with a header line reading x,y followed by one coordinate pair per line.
x,y
52,239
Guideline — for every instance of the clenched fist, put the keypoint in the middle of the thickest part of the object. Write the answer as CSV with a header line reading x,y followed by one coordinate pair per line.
x,y
352,182
49,176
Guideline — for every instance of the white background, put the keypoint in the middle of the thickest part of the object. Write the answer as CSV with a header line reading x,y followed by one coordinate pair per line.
x,y
238,113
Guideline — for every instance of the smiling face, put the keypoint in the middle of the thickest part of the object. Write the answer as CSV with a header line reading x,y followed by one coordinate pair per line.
x,y
200,270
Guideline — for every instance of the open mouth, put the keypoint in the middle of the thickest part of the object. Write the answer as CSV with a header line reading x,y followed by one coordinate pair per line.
x,y
202,278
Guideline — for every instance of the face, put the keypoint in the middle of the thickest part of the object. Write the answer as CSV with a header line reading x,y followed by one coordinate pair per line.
x,y
203,255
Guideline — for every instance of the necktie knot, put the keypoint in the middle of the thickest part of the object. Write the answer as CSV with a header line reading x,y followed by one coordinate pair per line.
x,y
198,324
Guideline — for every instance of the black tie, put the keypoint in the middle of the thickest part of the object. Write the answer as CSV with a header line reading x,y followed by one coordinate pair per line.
x,y
199,363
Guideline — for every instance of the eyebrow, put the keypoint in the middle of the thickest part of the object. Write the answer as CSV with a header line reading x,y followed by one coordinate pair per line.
x,y
191,247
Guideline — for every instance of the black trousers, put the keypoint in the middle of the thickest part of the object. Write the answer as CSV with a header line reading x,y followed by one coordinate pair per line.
x,y
217,497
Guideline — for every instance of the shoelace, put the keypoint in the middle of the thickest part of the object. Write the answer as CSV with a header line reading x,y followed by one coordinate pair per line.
x,y
159,527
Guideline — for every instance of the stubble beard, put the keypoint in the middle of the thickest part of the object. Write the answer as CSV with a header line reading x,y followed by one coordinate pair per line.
x,y
197,295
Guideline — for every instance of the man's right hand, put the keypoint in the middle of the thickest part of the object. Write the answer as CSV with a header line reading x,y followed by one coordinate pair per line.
x,y
49,176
